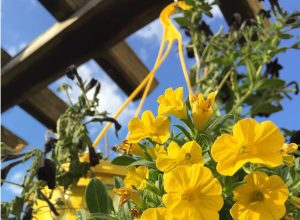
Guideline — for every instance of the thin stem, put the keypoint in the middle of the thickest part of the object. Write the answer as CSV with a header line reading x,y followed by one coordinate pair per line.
x,y
240,102
12,183
224,80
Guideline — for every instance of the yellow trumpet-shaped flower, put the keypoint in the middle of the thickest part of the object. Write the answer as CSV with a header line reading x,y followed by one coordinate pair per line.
x,y
156,129
260,198
154,214
286,151
155,151
126,194
137,177
190,153
250,142
172,103
192,193
201,109
131,148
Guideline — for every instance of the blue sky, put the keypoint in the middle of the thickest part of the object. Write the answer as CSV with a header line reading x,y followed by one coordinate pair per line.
x,y
24,20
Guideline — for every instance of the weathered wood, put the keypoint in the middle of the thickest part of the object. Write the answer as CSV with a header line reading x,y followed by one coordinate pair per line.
x,y
10,138
120,62
121,59
62,9
246,8
97,26
44,106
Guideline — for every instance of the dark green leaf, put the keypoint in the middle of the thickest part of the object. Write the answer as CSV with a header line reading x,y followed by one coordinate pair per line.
x,y
96,197
269,84
143,162
123,160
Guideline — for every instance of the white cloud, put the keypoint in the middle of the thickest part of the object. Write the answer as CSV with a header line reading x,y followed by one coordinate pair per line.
x,y
17,177
152,31
14,50
111,96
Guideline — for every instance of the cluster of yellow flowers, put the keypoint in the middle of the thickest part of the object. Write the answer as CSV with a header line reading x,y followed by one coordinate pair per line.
x,y
190,189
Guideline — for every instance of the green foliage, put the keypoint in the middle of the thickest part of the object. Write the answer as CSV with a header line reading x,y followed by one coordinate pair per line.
x,y
96,197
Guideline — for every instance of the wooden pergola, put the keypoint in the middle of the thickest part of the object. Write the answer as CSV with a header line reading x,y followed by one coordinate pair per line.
x,y
85,29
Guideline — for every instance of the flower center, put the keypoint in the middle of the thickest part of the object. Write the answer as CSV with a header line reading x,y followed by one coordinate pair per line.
x,y
257,196
188,156
243,149
185,196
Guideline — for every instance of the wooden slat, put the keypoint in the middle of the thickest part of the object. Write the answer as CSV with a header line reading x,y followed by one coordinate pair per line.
x,y
10,138
62,9
121,58
246,8
97,26
120,62
44,106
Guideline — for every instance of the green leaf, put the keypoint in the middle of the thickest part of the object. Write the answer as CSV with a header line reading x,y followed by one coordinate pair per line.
x,y
143,162
123,160
269,84
184,131
265,108
118,182
96,197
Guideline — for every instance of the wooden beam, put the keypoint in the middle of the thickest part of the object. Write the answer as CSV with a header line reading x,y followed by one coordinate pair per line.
x,y
246,8
97,26
62,9
120,62
44,106
10,138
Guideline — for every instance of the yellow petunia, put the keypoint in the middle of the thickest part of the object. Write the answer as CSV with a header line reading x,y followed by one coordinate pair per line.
x,y
154,214
190,153
201,109
137,176
156,129
172,103
192,193
126,194
260,198
131,148
286,151
155,151
250,142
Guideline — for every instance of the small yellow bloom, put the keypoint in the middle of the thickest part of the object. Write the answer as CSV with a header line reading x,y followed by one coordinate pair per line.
x,y
286,151
172,103
251,142
154,214
190,153
131,148
202,109
192,193
137,177
289,148
260,198
127,194
156,129
155,151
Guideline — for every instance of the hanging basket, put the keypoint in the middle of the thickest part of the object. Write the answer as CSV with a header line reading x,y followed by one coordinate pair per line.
x,y
74,199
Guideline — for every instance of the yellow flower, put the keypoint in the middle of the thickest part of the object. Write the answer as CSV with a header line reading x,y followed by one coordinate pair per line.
x,y
155,151
201,109
172,103
126,194
156,129
192,193
260,198
154,214
131,148
190,153
251,142
286,150
137,177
